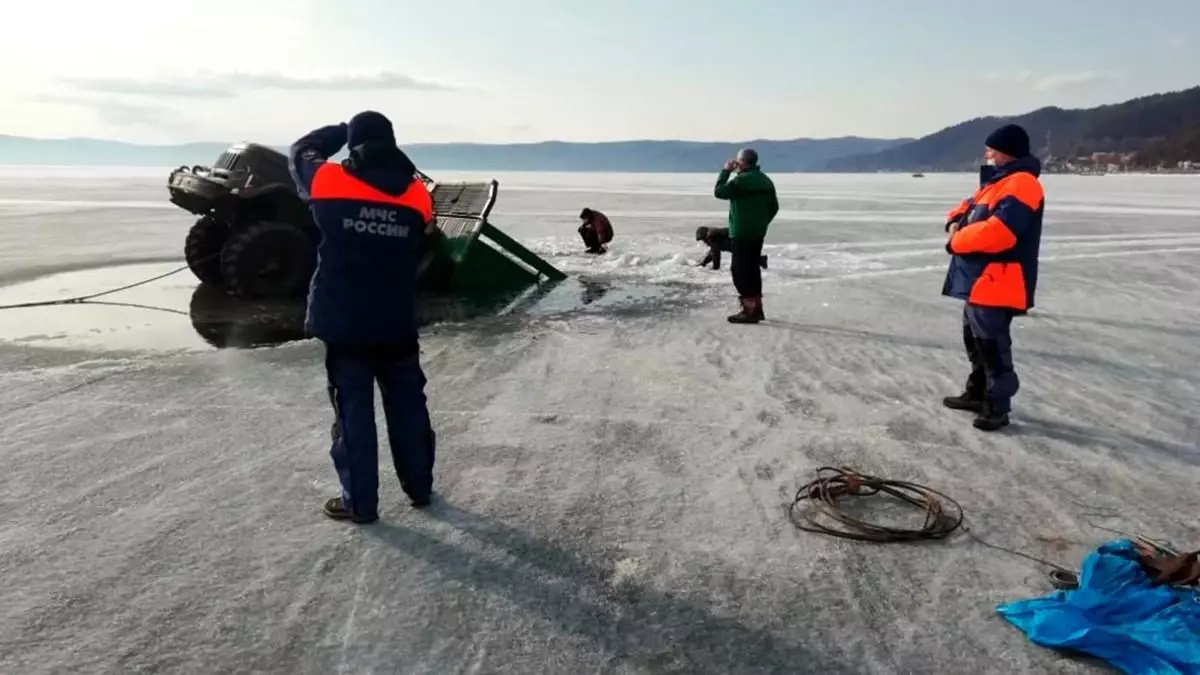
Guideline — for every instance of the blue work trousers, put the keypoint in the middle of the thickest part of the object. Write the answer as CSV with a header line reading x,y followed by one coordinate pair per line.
x,y
988,342
352,373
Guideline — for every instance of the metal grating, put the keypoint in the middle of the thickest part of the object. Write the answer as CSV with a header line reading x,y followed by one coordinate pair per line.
x,y
464,200
454,226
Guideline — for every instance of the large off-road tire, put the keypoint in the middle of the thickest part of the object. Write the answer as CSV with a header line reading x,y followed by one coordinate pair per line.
x,y
268,260
202,249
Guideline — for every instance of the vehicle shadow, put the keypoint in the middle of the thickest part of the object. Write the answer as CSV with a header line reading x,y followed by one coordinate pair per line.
x,y
227,322
640,626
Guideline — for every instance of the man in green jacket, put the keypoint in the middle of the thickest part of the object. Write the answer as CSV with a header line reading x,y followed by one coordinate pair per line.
x,y
752,206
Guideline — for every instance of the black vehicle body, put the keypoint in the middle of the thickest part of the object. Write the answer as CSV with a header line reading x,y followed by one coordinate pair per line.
x,y
254,237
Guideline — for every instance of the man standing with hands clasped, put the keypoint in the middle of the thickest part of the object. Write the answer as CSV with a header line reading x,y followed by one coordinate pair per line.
x,y
752,206
994,237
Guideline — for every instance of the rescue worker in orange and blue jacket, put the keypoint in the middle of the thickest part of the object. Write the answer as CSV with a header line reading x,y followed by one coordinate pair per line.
x,y
994,238
371,211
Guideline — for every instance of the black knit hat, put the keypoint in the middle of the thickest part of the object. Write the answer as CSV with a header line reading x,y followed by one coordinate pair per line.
x,y
369,126
1010,139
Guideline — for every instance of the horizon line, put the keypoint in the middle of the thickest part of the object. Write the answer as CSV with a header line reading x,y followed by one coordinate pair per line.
x,y
485,143
905,139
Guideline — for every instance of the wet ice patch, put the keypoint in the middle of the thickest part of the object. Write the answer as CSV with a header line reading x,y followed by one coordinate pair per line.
x,y
52,205
149,317
675,259
795,260
649,258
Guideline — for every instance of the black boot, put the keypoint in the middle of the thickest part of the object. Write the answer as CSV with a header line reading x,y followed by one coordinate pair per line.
x,y
973,393
419,499
1002,383
336,509
987,421
968,400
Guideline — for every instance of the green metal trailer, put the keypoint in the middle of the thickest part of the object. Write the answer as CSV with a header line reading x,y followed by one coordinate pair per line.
x,y
468,254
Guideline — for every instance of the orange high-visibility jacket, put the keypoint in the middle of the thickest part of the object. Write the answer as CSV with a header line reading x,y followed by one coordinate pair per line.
x,y
995,249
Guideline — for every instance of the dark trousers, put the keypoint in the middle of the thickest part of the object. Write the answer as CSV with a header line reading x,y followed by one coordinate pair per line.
x,y
352,374
987,338
590,238
746,267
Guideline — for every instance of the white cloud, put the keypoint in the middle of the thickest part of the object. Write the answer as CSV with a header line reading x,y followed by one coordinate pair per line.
x,y
122,115
227,85
1048,82
1019,77
1061,80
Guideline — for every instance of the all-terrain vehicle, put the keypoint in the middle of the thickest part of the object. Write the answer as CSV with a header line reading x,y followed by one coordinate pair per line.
x,y
255,237
256,240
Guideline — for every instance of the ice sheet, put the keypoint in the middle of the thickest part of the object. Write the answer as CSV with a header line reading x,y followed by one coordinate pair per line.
x,y
612,480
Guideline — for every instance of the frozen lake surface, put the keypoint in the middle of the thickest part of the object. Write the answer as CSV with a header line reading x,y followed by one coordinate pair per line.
x,y
614,458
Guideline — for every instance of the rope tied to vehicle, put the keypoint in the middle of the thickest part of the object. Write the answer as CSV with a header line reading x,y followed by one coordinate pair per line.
x,y
81,299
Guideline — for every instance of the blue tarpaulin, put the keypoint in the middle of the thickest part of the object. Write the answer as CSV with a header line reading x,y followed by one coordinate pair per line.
x,y
1118,614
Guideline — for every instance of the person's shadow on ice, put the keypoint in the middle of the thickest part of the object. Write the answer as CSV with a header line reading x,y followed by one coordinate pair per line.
x,y
649,629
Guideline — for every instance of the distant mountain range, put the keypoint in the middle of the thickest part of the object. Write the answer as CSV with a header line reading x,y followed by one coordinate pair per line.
x,y
1157,129
630,156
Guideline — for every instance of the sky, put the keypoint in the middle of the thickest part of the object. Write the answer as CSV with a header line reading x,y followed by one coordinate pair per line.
x,y
528,70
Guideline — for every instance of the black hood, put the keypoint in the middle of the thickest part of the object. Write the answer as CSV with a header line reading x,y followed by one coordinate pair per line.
x,y
382,165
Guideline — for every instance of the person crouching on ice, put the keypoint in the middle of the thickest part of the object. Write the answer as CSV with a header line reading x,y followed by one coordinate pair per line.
x,y
994,238
717,239
596,231
371,211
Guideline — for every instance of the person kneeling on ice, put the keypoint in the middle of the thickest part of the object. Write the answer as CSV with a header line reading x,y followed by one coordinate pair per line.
x,y
596,230
994,238
753,204
371,212
717,239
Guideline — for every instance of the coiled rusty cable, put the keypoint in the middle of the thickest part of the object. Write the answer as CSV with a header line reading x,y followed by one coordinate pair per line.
x,y
825,494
